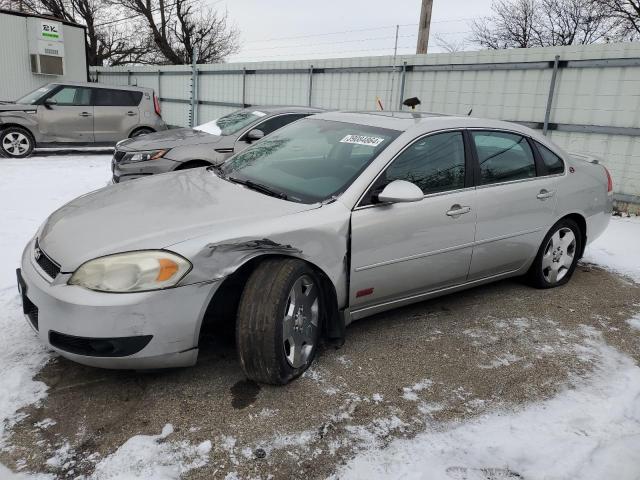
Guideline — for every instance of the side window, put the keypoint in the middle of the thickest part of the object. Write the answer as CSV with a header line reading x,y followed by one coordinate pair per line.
x,y
275,123
72,96
553,162
104,97
503,157
434,163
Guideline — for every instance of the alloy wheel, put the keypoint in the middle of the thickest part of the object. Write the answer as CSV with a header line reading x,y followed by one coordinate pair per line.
x,y
558,255
300,322
15,143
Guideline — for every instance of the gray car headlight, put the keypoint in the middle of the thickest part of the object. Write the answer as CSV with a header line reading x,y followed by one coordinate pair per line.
x,y
143,156
132,272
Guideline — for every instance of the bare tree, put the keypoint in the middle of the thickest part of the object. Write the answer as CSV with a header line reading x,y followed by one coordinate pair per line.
x,y
179,27
449,45
541,23
627,12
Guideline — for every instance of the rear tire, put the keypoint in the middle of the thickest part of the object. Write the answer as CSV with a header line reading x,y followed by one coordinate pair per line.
x,y
278,324
16,142
558,255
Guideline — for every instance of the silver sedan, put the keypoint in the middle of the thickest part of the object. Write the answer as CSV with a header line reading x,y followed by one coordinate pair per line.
x,y
330,219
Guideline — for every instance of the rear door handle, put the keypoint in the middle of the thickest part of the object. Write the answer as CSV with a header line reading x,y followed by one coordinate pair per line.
x,y
131,114
85,114
544,194
458,210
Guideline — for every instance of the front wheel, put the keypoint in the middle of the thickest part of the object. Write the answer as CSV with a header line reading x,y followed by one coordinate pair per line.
x,y
558,255
278,325
16,142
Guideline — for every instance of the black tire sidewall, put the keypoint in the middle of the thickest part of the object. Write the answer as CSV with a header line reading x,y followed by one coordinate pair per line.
x,y
537,274
287,372
23,131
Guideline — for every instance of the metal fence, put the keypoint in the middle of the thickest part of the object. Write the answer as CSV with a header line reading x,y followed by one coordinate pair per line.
x,y
586,98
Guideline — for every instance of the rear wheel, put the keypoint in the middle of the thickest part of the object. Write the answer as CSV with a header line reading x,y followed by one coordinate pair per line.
x,y
278,325
558,255
16,142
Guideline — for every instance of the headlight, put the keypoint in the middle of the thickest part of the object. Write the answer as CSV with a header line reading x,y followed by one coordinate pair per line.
x,y
132,272
133,157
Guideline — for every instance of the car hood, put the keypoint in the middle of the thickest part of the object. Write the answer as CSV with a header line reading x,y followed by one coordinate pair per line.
x,y
168,139
16,107
153,213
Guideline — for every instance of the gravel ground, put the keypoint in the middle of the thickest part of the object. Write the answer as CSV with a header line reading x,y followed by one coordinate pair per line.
x,y
494,347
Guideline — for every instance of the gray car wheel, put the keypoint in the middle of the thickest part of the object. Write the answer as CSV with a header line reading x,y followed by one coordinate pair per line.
x,y
16,142
278,324
558,255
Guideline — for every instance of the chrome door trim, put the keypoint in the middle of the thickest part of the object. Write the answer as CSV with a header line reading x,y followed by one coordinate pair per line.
x,y
428,195
445,250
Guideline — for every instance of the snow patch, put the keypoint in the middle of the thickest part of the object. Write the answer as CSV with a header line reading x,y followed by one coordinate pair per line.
x,y
634,322
617,248
589,431
410,393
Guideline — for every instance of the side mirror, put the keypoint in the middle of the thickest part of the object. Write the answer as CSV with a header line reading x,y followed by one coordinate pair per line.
x,y
50,102
400,191
254,135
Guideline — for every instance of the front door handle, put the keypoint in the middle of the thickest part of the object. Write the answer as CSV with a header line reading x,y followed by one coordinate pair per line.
x,y
130,113
544,194
85,114
457,210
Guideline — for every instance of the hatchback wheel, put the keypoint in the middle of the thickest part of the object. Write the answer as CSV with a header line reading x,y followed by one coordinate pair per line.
x,y
16,142
278,325
558,255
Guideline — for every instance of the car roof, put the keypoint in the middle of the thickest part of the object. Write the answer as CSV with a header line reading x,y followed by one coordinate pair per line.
x,y
284,109
422,121
102,85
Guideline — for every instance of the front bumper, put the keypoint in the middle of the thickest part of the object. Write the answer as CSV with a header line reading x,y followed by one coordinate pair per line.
x,y
165,323
123,172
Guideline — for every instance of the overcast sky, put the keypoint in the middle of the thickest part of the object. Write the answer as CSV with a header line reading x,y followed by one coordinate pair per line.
x,y
331,28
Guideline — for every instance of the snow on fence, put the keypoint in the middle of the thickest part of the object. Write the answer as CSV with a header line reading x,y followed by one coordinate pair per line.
x,y
586,98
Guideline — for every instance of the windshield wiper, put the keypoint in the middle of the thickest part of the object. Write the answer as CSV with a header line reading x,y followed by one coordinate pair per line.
x,y
259,188
217,169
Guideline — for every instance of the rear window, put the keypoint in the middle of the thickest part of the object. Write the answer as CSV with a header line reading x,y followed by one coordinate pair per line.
x,y
503,157
105,97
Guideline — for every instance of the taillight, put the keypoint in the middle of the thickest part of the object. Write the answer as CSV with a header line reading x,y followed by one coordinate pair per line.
x,y
156,105
609,180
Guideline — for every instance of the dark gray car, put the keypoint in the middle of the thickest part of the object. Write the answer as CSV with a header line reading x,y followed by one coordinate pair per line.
x,y
73,114
207,144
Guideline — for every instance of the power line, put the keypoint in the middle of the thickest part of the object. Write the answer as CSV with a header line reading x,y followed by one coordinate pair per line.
x,y
153,10
331,33
300,45
328,52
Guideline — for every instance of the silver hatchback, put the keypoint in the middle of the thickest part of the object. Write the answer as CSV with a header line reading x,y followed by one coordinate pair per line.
x,y
77,114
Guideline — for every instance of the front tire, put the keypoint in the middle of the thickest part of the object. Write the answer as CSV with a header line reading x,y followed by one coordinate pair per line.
x,y
278,325
16,142
558,255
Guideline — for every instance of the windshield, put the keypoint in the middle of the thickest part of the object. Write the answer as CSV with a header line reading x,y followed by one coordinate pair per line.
x,y
232,123
37,94
310,160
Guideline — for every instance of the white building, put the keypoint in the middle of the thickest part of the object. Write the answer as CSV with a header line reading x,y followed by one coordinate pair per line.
x,y
35,50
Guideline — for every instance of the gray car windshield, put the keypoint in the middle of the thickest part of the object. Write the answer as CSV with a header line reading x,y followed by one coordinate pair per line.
x,y
232,123
310,160
37,94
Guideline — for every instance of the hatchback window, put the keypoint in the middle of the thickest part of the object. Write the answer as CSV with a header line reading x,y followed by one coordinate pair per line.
x,y
552,162
72,96
105,97
503,157
434,163
310,160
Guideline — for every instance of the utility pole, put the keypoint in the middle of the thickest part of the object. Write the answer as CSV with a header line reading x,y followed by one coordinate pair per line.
x,y
423,26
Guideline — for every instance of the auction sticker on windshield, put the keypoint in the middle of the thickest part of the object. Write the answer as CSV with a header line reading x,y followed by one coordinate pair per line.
x,y
362,140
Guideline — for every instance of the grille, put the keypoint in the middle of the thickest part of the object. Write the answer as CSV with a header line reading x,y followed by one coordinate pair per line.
x,y
30,310
117,155
50,267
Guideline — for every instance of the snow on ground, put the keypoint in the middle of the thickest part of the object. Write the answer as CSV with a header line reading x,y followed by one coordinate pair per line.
x,y
29,191
617,248
589,431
